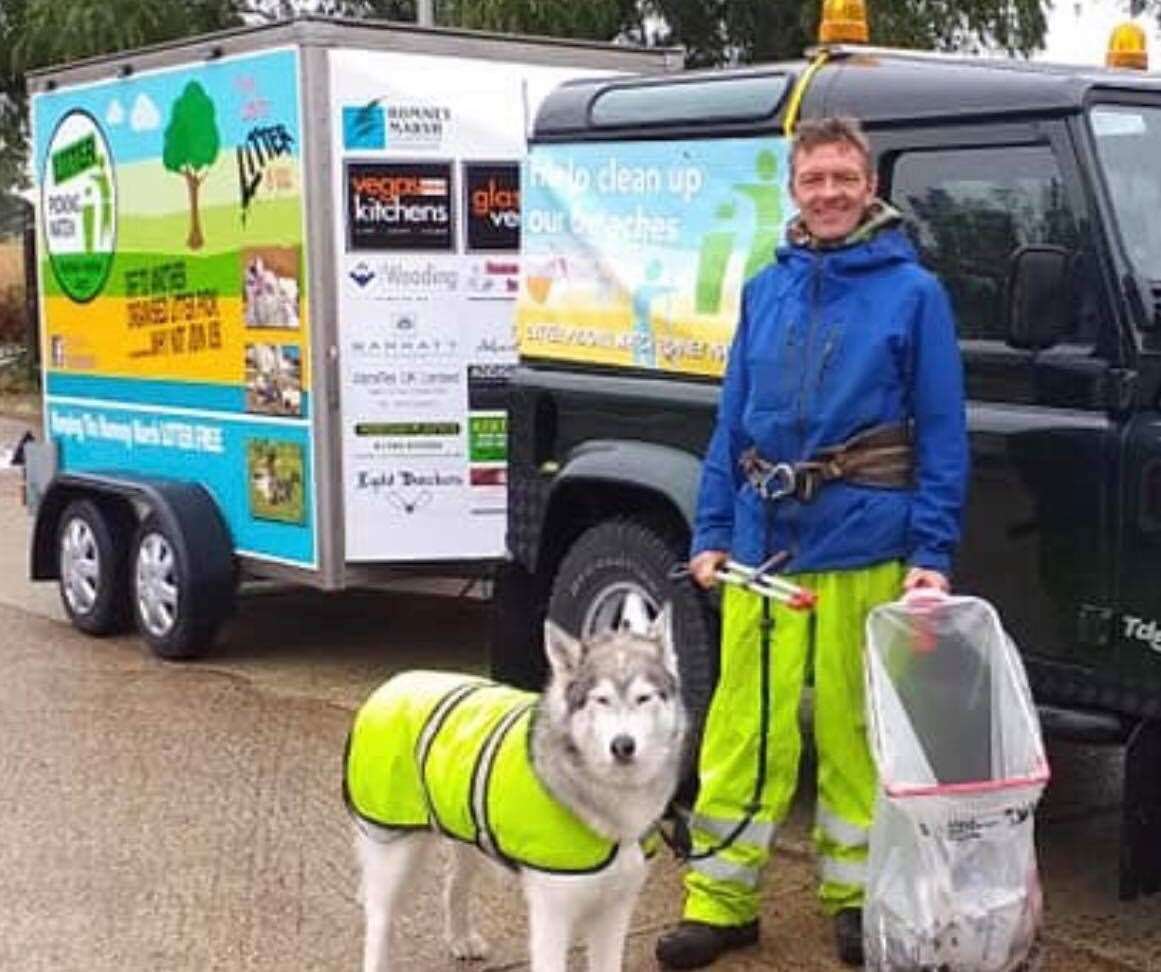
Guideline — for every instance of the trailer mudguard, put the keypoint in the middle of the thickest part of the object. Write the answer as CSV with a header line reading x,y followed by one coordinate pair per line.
x,y
185,508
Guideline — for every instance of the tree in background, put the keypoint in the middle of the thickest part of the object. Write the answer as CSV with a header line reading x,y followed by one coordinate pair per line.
x,y
56,31
269,10
35,33
13,100
38,33
192,142
742,31
591,20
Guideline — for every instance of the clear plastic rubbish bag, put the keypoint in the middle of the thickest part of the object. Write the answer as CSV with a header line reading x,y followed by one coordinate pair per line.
x,y
952,884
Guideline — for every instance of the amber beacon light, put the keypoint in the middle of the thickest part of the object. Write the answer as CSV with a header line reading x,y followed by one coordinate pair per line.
x,y
843,22
1128,48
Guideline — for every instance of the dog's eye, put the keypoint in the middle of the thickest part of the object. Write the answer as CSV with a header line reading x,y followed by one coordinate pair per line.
x,y
602,700
643,698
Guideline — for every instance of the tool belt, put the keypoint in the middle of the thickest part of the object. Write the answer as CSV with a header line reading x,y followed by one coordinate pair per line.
x,y
879,456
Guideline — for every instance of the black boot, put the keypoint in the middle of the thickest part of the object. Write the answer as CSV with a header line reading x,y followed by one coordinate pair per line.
x,y
848,935
693,944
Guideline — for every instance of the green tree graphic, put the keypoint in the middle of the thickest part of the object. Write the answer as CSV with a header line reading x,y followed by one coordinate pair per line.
x,y
192,141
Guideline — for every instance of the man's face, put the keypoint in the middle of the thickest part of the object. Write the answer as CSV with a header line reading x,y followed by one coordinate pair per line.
x,y
832,188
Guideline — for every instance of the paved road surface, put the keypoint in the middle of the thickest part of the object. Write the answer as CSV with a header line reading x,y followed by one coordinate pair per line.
x,y
161,818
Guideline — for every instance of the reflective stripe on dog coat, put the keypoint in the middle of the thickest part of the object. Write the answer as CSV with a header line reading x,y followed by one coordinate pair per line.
x,y
436,749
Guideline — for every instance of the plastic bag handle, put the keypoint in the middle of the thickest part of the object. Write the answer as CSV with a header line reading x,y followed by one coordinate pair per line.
x,y
933,595
919,598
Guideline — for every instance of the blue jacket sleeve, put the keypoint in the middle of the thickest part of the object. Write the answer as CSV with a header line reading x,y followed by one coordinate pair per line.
x,y
941,445
720,477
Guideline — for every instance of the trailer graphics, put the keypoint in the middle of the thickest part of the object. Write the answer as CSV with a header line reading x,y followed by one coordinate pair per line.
x,y
173,286
278,268
79,203
635,252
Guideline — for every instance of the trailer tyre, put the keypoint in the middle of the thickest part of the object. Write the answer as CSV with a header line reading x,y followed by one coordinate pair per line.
x,y
623,565
173,619
93,552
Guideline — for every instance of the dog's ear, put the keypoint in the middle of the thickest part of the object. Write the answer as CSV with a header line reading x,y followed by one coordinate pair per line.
x,y
563,650
661,631
634,617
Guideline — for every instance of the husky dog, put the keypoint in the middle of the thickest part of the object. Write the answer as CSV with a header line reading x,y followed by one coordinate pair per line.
x,y
601,751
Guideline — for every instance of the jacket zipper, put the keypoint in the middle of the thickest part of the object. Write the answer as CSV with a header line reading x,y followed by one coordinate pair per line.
x,y
827,351
815,296
815,293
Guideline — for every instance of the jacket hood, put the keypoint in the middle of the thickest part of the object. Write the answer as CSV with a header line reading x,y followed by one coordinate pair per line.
x,y
879,240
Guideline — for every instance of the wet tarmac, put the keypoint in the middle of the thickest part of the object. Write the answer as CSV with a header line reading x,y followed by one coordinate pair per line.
x,y
157,817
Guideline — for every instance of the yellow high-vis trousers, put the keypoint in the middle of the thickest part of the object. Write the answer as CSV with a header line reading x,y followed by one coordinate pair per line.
x,y
751,745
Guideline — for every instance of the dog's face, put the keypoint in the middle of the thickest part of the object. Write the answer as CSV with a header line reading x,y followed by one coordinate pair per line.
x,y
617,698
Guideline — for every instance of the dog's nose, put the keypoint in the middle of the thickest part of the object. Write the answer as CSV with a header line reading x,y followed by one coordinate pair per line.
x,y
623,748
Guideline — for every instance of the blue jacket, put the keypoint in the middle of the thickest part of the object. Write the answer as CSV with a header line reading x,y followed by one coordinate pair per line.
x,y
832,342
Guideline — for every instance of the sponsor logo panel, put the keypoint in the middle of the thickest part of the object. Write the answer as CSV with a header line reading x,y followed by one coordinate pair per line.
x,y
400,206
492,206
364,126
403,278
493,279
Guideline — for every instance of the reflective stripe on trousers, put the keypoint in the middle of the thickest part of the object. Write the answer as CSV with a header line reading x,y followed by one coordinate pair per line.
x,y
721,888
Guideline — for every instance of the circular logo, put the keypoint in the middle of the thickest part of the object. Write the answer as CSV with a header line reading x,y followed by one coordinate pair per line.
x,y
78,205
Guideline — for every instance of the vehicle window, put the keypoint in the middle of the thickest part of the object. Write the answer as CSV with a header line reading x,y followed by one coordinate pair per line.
x,y
969,210
747,98
1127,135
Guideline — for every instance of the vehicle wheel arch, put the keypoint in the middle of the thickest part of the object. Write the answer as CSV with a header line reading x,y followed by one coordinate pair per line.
x,y
606,478
185,511
45,557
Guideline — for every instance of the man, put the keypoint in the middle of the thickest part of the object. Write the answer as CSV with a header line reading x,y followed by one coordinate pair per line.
x,y
841,444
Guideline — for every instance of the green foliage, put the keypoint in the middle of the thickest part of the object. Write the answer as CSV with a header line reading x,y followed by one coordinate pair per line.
x,y
192,139
741,31
968,26
56,31
35,33
191,145
723,31
592,19
717,32
13,101
386,9
38,33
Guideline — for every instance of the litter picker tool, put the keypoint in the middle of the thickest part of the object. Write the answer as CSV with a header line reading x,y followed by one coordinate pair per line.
x,y
762,580
770,586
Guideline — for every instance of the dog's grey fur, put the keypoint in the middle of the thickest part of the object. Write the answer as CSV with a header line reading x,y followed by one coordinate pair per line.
x,y
607,741
611,799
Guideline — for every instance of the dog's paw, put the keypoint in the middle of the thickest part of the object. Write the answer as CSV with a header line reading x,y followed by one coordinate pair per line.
x,y
468,948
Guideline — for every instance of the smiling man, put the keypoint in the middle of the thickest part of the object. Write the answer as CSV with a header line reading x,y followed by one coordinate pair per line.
x,y
840,449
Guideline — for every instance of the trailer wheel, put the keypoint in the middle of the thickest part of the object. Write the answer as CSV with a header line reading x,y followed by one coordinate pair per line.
x,y
621,567
93,569
165,594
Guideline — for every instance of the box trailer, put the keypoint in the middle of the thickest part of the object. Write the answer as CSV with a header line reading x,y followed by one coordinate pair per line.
x,y
277,271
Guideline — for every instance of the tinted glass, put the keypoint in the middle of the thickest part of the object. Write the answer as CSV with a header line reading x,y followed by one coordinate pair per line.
x,y
1128,140
726,99
971,209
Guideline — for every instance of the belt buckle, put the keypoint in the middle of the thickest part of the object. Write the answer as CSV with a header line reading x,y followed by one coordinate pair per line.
x,y
784,473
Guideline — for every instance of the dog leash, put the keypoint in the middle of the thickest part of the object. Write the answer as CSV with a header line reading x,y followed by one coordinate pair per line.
x,y
763,581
